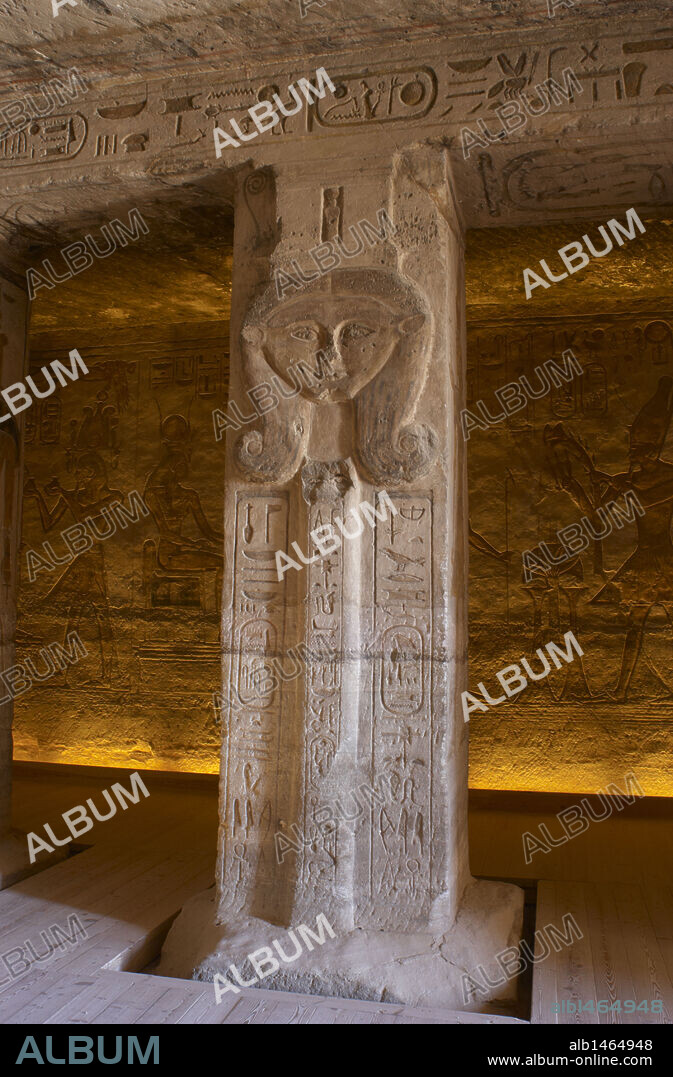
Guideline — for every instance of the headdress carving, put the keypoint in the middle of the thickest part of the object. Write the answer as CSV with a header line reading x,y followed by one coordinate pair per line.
x,y
650,426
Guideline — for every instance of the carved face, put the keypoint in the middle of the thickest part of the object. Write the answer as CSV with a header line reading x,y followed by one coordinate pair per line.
x,y
344,339
90,471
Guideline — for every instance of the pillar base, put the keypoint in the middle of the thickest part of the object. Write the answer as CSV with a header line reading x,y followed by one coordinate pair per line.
x,y
416,968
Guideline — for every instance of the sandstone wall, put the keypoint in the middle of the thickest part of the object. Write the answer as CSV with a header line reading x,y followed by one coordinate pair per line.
x,y
144,602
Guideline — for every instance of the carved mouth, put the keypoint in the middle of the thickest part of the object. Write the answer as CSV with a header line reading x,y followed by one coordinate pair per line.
x,y
335,392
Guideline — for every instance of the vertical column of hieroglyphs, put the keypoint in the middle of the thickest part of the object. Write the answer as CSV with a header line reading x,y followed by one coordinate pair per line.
x,y
251,749
255,608
412,852
320,858
402,728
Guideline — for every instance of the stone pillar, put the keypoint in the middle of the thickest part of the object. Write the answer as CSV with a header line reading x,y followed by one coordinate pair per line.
x,y
14,308
372,726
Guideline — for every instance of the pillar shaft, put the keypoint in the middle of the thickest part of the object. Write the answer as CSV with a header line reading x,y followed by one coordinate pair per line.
x,y
356,360
385,603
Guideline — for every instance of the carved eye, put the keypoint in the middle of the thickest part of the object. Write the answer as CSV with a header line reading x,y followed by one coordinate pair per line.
x,y
354,331
304,332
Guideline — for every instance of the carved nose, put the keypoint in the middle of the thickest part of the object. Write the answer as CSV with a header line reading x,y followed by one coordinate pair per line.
x,y
335,364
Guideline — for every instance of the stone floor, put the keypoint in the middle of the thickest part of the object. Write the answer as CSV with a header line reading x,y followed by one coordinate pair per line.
x,y
126,887
135,871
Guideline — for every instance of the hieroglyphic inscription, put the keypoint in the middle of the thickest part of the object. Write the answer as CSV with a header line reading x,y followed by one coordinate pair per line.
x,y
332,213
406,94
324,629
208,372
525,182
402,743
251,737
115,138
609,71
228,103
47,140
459,82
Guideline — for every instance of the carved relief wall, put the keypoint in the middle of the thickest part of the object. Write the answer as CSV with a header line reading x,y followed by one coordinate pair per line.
x,y
147,607
13,306
546,467
145,601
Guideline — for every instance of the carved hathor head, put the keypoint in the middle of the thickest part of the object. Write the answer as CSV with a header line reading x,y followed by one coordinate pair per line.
x,y
360,335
